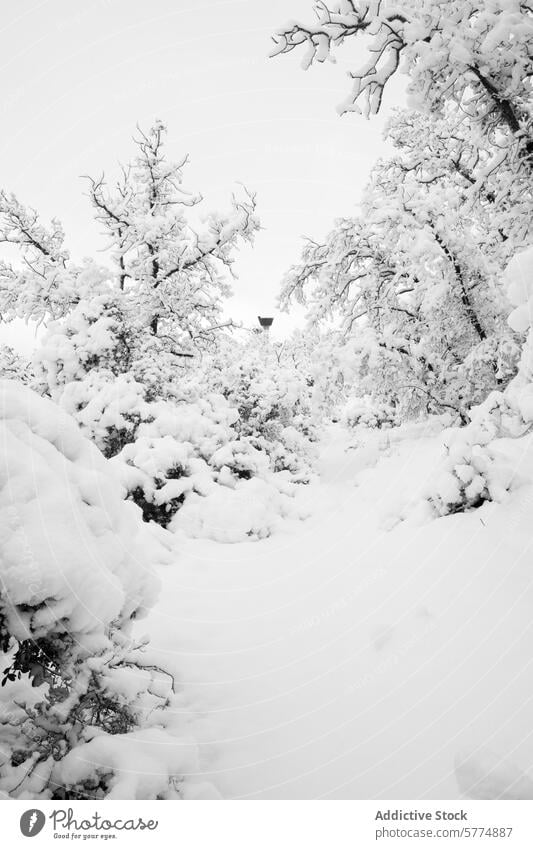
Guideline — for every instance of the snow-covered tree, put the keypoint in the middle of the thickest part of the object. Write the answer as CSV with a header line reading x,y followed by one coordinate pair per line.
x,y
132,348
435,153
478,464
174,273
414,281
461,55
43,282
165,275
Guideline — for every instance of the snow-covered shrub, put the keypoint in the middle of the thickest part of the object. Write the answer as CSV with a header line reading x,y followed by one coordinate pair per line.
x,y
171,442
330,363
172,455
189,454
476,467
272,397
108,408
13,366
102,335
238,510
76,571
96,335
363,412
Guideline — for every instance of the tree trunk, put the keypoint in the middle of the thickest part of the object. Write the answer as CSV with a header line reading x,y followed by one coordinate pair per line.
x,y
507,110
465,294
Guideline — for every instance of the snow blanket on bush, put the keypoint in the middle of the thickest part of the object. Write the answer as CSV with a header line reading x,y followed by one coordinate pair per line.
x,y
81,702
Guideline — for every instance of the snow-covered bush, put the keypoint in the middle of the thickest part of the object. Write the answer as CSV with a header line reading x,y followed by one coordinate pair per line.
x,y
189,454
239,510
13,366
232,431
174,452
172,441
102,335
273,398
108,408
476,467
76,572
363,412
95,335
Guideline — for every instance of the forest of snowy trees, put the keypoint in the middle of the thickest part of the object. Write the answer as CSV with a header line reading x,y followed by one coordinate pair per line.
x,y
145,415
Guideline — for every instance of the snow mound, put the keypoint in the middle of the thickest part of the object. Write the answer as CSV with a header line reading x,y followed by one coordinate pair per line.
x,y
143,764
253,509
72,550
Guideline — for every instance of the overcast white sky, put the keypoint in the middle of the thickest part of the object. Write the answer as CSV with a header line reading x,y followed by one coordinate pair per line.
x,y
77,77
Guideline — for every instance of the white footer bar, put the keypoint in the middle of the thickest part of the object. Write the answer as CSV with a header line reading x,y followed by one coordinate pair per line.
x,y
270,824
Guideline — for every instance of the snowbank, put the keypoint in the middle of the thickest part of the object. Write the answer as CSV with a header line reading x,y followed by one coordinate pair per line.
x,y
74,554
252,509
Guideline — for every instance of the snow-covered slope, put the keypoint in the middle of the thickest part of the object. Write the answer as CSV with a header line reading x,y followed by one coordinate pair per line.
x,y
339,659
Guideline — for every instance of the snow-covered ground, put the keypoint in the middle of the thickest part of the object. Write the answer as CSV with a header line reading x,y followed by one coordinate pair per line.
x,y
339,659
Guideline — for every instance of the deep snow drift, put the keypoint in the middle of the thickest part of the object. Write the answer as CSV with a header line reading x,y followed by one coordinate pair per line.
x,y
341,658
